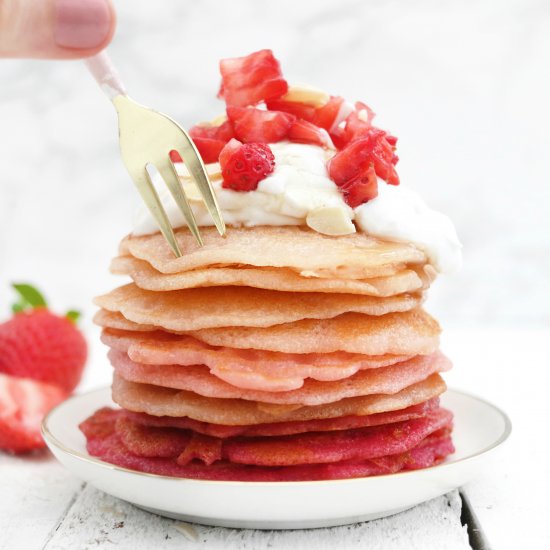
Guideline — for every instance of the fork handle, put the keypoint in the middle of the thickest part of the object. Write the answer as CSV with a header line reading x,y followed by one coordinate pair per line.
x,y
105,74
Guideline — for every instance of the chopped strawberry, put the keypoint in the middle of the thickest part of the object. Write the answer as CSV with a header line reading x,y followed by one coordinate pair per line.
x,y
38,344
302,131
299,110
258,126
251,79
324,117
327,116
210,140
357,156
223,132
209,149
358,122
23,404
361,189
231,147
245,165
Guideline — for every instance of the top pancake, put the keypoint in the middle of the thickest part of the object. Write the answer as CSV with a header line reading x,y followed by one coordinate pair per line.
x,y
301,249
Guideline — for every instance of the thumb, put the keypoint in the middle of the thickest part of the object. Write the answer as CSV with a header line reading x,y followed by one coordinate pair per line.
x,y
55,29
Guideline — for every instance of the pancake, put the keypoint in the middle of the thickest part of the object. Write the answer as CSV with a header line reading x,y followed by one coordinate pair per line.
x,y
158,401
213,307
280,279
104,442
298,248
286,428
197,379
409,333
252,369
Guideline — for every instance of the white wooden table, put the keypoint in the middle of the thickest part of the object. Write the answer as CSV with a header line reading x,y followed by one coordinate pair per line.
x,y
43,506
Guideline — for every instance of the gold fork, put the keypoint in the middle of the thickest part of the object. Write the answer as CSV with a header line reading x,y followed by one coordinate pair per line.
x,y
147,138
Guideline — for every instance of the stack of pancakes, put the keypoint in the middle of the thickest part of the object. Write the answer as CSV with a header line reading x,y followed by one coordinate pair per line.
x,y
277,353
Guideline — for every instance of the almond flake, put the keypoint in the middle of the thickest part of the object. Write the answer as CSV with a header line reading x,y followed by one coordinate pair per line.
x,y
308,95
330,220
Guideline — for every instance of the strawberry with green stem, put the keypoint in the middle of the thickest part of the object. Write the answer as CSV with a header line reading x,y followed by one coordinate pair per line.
x,y
42,356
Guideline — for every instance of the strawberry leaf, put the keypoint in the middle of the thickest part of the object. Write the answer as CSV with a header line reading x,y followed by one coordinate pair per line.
x,y
73,315
29,297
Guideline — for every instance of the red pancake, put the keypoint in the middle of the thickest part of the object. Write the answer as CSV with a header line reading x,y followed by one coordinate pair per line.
x,y
104,443
285,428
310,448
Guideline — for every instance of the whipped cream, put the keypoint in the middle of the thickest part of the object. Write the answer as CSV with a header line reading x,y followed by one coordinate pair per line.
x,y
399,214
299,186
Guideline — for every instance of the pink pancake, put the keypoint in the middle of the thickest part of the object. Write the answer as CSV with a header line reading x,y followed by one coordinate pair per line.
x,y
309,448
197,378
244,368
104,443
285,428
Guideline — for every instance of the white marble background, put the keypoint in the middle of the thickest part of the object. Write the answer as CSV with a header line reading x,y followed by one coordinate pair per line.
x,y
465,86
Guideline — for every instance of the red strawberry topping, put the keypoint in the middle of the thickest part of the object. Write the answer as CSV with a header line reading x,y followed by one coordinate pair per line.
x,y
362,189
354,160
251,79
324,117
210,140
245,165
258,126
23,404
302,131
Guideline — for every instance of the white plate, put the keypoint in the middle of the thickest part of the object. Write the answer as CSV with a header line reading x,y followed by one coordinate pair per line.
x,y
479,429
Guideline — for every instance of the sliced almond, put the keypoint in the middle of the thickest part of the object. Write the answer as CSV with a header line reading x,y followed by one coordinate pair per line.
x,y
308,95
330,220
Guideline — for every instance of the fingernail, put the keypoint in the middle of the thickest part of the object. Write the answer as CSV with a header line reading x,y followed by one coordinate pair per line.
x,y
81,23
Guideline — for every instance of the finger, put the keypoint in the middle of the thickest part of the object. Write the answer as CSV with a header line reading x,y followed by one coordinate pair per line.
x,y
55,29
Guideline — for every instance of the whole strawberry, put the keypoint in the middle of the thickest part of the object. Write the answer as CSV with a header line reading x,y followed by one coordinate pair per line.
x,y
39,344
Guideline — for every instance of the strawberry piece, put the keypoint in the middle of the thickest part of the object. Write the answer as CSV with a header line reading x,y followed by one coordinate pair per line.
x,y
302,131
362,189
327,116
258,126
353,161
223,132
324,117
299,110
23,404
251,79
40,345
245,165
209,149
231,147
210,140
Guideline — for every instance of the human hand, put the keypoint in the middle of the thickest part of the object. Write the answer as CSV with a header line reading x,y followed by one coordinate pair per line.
x,y
55,29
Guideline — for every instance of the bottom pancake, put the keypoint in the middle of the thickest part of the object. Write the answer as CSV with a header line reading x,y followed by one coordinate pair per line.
x,y
105,442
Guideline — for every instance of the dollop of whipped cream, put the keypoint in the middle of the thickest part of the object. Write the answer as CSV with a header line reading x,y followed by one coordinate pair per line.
x,y
299,187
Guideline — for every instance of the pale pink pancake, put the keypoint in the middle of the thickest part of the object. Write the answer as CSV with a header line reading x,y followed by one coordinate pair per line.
x,y
252,369
299,248
197,379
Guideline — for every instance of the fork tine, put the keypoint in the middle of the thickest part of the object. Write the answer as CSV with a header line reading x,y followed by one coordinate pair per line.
x,y
196,168
170,176
150,197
